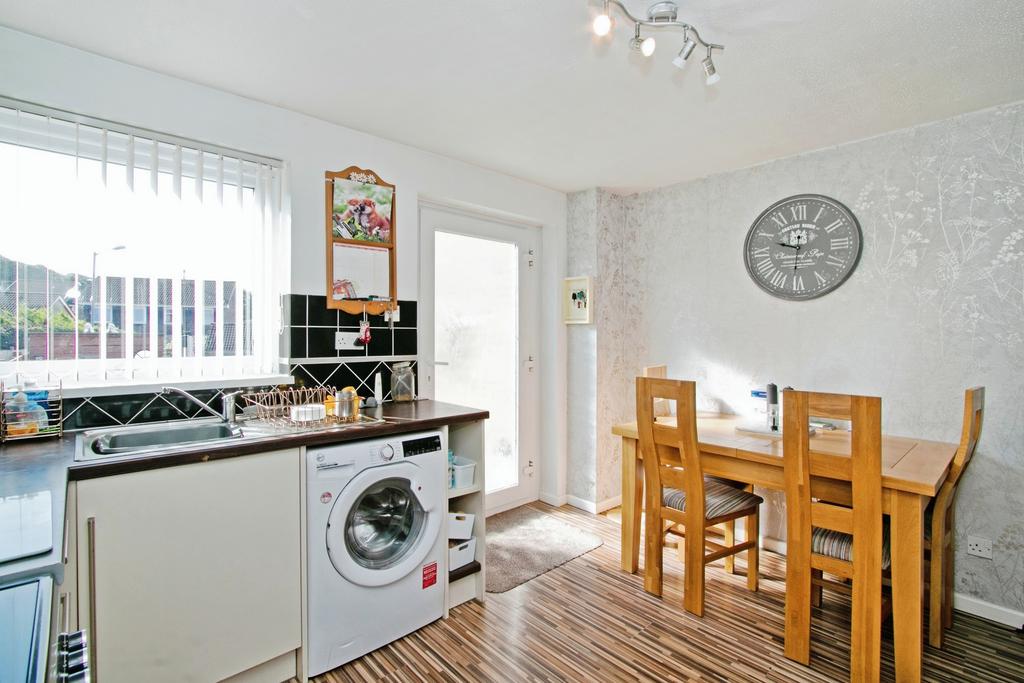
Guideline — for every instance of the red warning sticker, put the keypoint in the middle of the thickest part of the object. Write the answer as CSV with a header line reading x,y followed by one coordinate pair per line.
x,y
429,575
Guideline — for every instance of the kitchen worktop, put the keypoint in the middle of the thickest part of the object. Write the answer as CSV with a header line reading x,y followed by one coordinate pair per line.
x,y
46,465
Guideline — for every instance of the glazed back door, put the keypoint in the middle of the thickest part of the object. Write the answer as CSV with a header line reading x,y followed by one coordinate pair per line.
x,y
479,299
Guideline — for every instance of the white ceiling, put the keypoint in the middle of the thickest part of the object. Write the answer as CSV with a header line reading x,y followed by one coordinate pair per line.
x,y
523,87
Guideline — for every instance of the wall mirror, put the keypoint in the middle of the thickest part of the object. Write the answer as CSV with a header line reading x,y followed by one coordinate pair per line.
x,y
360,210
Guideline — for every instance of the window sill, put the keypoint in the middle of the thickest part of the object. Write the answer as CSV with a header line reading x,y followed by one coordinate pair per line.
x,y
120,388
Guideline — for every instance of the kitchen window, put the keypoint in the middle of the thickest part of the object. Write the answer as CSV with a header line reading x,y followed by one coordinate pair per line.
x,y
131,257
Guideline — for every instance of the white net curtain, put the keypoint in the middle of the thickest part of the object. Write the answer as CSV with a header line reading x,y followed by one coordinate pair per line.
x,y
129,256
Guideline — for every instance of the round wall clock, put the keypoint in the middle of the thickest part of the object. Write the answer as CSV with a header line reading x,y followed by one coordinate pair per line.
x,y
802,247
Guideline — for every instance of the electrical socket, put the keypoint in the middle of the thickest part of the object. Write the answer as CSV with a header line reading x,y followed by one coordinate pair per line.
x,y
979,547
346,340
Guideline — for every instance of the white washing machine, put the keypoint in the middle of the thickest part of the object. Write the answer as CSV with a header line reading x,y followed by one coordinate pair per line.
x,y
377,556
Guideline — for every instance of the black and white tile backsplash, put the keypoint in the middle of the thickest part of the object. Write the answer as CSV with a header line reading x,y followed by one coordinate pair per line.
x,y
310,327
313,361
307,341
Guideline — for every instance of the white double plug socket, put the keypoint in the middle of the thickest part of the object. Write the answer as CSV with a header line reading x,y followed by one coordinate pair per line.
x,y
979,547
344,341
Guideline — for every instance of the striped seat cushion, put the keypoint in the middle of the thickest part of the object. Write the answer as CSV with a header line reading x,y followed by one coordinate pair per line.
x,y
720,499
840,546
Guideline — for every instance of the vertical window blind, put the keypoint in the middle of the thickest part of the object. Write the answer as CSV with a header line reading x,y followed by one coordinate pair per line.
x,y
130,256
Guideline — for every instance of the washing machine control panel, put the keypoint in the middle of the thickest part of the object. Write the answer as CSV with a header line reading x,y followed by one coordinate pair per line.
x,y
428,444
387,452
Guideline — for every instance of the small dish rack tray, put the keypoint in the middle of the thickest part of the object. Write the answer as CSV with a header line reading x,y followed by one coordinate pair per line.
x,y
274,407
25,420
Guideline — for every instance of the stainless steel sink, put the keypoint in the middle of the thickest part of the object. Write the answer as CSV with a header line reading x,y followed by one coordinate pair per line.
x,y
107,443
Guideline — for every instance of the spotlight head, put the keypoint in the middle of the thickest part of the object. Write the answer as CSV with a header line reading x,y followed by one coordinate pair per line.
x,y
602,24
647,46
710,71
684,53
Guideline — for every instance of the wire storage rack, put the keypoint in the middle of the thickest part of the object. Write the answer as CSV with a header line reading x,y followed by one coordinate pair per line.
x,y
31,412
275,407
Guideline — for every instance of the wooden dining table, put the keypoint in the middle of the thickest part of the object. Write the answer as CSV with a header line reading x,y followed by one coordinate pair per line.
x,y
912,472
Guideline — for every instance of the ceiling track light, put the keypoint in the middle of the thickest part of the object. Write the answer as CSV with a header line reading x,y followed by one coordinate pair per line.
x,y
644,46
685,51
709,70
660,15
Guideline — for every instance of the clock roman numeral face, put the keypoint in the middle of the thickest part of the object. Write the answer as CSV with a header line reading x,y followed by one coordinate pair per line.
x,y
802,247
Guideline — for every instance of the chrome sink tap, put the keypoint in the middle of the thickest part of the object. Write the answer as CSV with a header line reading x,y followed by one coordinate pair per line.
x,y
228,401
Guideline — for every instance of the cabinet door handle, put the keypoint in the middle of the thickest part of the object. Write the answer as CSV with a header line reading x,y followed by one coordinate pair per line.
x,y
63,619
91,529
66,540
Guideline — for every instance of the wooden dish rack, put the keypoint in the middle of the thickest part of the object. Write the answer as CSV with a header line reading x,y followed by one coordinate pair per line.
x,y
15,423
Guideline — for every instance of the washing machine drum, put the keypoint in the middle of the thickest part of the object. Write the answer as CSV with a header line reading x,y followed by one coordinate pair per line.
x,y
382,525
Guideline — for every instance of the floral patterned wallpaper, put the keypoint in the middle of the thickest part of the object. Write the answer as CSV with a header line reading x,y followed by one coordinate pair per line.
x,y
936,305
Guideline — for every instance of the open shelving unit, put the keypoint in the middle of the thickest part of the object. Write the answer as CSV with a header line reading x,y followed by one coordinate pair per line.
x,y
467,583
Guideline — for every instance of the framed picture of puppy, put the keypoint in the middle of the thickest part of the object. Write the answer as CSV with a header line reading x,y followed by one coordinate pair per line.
x,y
360,227
362,211
577,305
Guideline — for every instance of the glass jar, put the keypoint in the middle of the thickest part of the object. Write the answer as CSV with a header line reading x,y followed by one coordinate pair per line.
x,y
403,383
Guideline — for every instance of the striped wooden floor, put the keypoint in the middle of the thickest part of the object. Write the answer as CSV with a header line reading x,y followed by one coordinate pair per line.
x,y
589,621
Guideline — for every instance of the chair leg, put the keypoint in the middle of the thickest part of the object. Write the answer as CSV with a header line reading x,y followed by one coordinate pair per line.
x,y
936,590
947,586
729,531
693,571
866,622
815,590
752,532
798,605
654,539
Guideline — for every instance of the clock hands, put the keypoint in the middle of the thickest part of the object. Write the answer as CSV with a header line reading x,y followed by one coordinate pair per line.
x,y
796,248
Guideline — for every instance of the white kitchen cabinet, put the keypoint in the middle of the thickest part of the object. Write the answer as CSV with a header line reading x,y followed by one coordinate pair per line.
x,y
192,572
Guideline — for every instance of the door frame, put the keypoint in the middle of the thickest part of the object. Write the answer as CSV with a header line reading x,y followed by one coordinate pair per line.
x,y
530,410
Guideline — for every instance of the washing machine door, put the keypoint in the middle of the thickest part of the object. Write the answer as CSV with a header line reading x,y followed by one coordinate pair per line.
x,y
383,524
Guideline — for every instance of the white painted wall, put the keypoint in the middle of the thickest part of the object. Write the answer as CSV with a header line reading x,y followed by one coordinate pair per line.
x,y
55,75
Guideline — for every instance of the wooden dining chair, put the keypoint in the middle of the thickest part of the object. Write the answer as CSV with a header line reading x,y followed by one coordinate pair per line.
x,y
847,542
727,529
676,492
940,541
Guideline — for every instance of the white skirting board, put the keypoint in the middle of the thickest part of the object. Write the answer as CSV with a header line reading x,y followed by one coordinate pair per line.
x,y
557,500
590,506
987,610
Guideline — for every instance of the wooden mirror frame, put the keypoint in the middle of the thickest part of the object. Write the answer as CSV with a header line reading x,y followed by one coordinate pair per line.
x,y
359,306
